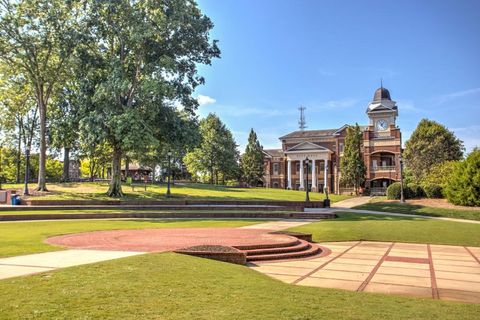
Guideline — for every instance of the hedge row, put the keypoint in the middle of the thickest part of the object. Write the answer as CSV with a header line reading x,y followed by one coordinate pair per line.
x,y
413,190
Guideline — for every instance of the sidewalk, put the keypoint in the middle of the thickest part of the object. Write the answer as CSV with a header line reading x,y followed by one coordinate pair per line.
x,y
48,261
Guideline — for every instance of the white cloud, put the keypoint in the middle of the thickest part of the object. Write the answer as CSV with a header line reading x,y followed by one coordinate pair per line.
x,y
455,95
203,100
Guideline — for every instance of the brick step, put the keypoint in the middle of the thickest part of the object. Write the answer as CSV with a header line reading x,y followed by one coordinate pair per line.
x,y
301,246
312,250
313,216
268,245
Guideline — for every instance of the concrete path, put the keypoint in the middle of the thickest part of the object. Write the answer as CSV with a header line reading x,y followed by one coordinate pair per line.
x,y
42,262
421,270
279,225
383,213
351,202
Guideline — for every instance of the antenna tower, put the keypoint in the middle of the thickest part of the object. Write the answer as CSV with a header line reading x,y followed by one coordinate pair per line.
x,y
302,124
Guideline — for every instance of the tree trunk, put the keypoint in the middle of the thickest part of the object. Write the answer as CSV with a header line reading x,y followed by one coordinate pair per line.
x,y
19,154
42,182
127,166
115,189
66,165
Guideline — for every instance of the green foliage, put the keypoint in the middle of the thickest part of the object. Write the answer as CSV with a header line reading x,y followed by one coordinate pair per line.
x,y
440,173
464,185
416,191
352,167
433,191
394,191
430,144
217,156
252,160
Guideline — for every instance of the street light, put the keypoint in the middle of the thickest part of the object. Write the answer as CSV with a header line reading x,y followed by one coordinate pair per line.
x,y
169,171
307,197
402,198
25,181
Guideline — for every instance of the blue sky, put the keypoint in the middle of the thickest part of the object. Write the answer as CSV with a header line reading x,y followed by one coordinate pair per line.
x,y
329,56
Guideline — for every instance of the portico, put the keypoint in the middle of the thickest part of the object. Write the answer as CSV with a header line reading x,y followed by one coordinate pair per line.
x,y
318,157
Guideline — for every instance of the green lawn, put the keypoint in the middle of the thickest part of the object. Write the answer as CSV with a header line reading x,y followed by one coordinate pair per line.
x,y
172,286
97,191
351,226
380,205
19,238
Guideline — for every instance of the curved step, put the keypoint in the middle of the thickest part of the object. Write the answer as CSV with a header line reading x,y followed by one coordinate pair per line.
x,y
301,246
293,242
284,256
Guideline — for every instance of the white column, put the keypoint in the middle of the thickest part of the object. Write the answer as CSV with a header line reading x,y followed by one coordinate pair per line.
x,y
289,172
325,177
302,186
314,176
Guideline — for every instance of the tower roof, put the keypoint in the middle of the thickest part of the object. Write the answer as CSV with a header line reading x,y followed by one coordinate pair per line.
x,y
381,94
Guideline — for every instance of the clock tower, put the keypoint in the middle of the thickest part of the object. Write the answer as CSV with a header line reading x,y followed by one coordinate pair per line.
x,y
382,111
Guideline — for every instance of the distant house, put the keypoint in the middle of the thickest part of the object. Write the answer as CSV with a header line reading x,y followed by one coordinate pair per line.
x,y
136,171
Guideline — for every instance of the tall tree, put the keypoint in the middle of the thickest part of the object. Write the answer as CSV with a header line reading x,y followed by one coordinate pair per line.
x,y
352,166
431,143
37,38
252,160
19,112
144,56
217,155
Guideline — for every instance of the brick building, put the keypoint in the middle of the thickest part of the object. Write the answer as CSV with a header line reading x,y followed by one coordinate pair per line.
x,y
285,168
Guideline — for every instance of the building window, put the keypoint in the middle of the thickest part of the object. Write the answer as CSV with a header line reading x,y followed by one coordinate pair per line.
x,y
298,167
275,168
341,147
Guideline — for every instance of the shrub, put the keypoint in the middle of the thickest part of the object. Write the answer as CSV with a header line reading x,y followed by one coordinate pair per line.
x,y
416,191
433,190
464,186
395,189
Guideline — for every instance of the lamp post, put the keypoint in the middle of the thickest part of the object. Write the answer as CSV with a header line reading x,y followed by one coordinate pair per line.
x,y
25,181
402,198
169,171
307,196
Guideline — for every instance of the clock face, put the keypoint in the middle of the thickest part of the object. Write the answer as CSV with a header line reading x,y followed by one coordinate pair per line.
x,y
382,124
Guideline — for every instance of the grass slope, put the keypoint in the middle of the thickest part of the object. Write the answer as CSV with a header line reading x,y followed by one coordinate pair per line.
x,y
19,238
419,210
171,286
351,226
97,191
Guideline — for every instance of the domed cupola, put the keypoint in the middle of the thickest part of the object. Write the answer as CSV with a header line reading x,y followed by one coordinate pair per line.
x,y
381,94
382,111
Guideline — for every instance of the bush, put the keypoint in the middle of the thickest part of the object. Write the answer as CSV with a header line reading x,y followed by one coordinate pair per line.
x,y
416,191
433,191
464,186
395,189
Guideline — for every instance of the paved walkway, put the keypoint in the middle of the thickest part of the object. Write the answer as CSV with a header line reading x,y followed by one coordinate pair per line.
x,y
351,202
42,262
279,225
430,271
